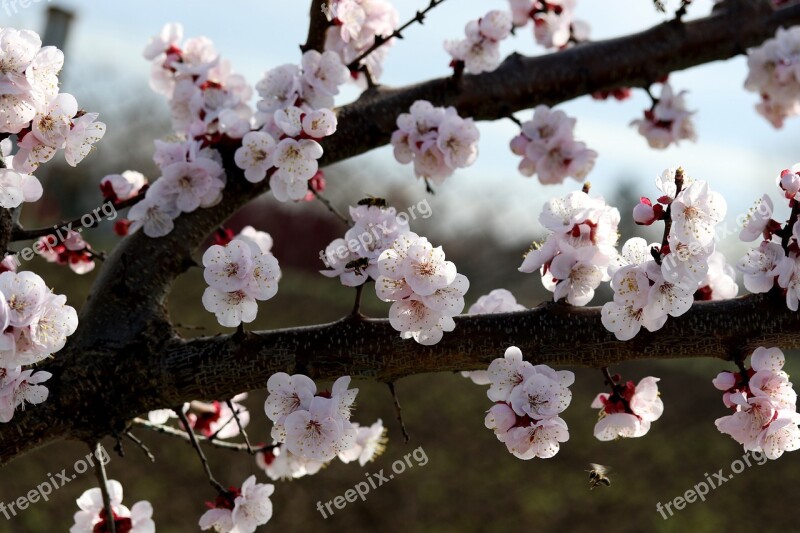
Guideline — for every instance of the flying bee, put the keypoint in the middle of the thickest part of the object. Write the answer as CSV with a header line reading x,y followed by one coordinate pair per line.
x,y
357,265
373,201
597,476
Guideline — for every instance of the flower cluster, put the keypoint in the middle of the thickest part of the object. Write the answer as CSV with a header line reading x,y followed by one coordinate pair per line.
x,y
553,22
720,281
370,443
206,98
356,25
548,148
72,251
764,408
480,51
211,418
667,121
354,259
652,282
117,188
239,510
436,140
426,290
528,401
120,187
92,516
35,325
775,75
43,119
191,177
575,258
497,301
290,161
15,187
311,425
628,410
280,463
777,257
310,86
238,274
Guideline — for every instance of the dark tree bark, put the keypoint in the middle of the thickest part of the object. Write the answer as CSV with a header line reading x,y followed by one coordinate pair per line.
x,y
125,358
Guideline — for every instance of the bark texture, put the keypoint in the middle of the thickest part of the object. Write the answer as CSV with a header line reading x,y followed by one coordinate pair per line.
x,y
125,358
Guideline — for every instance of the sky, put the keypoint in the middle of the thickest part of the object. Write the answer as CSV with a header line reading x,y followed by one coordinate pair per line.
x,y
737,152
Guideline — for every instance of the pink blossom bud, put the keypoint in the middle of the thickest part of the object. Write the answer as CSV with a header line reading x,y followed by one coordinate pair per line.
x,y
724,381
500,418
790,183
645,214
519,144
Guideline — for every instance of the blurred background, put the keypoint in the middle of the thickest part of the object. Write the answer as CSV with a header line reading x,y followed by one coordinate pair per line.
x,y
485,217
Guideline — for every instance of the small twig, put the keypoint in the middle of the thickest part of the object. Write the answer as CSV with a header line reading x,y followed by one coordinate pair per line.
x,y
100,256
329,205
428,187
118,445
22,234
668,216
653,99
224,425
398,410
609,379
681,12
514,119
380,40
356,312
100,472
193,440
142,446
739,360
168,430
241,427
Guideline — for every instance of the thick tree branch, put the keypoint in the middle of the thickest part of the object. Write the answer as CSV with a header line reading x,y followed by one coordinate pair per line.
x,y
221,366
317,26
555,334
125,337
524,82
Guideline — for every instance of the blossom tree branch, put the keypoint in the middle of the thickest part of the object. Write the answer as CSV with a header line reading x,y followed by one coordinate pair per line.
x,y
380,40
21,234
221,444
125,336
524,82
553,334
318,25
